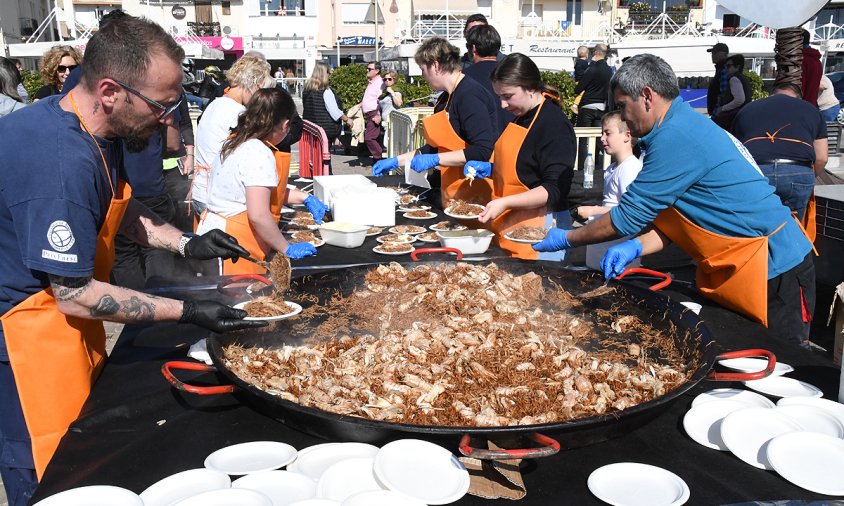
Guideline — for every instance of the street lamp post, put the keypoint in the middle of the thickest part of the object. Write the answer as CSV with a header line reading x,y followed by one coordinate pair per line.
x,y
376,30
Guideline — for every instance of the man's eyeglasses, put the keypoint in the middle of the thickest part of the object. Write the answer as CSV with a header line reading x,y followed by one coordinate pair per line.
x,y
61,69
389,79
370,68
166,110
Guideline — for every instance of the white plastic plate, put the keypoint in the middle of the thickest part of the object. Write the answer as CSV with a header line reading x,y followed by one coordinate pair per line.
x,y
294,310
461,216
407,229
780,386
703,422
182,485
734,394
835,408
746,433
315,502
379,251
381,498
346,478
421,470
96,495
809,460
456,227
282,487
314,462
227,497
429,215
523,241
750,364
813,419
635,484
252,457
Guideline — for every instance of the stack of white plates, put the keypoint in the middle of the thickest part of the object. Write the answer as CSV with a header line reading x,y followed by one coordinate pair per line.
x,y
96,495
421,470
635,484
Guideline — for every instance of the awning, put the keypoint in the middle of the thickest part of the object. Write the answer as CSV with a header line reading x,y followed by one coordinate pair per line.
x,y
439,6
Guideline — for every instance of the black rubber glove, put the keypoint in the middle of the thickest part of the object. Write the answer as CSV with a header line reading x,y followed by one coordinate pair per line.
x,y
217,317
214,244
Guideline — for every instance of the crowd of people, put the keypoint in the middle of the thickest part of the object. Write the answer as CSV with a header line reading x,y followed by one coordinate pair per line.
x,y
88,229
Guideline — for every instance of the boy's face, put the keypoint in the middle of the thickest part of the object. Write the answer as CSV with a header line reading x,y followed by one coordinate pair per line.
x,y
612,138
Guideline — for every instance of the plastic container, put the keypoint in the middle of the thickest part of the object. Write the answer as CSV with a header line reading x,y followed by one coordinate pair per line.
x,y
470,242
344,235
588,171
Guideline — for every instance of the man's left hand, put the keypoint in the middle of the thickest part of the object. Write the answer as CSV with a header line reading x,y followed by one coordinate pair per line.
x,y
316,207
555,240
421,163
214,244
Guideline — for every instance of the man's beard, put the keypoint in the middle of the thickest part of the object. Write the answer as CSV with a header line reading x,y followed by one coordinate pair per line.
x,y
134,143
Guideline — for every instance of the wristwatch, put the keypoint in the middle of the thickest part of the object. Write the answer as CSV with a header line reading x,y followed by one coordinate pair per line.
x,y
183,242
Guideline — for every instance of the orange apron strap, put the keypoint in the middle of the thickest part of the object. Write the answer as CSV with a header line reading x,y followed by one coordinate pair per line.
x,y
809,225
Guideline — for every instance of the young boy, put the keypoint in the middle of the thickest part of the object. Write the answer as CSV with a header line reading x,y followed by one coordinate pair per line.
x,y
617,143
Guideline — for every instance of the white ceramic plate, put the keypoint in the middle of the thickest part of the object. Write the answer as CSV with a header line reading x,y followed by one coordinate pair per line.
x,y
417,207
421,470
703,422
523,241
809,460
835,408
750,364
734,394
182,485
282,487
252,457
435,237
635,484
370,234
96,495
813,419
294,466
746,433
227,497
413,229
428,216
410,239
460,216
377,250
346,478
294,310
381,498
780,386
315,462
317,243
456,228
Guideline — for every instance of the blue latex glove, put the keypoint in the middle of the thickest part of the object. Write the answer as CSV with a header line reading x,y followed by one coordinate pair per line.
x,y
617,257
384,166
421,163
555,240
482,169
316,207
300,250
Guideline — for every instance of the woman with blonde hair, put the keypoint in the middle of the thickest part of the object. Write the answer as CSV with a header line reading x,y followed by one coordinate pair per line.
x,y
55,66
464,125
320,105
249,184
246,76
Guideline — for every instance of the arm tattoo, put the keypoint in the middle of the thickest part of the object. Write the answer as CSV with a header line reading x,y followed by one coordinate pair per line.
x,y
137,309
67,289
106,306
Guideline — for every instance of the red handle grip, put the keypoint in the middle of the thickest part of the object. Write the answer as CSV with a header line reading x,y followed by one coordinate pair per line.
x,y
648,272
745,376
549,447
166,370
422,251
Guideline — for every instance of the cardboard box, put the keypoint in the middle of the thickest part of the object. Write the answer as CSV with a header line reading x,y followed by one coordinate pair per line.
x,y
836,310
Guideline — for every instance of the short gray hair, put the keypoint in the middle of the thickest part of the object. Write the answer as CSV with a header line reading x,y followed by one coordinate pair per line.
x,y
645,70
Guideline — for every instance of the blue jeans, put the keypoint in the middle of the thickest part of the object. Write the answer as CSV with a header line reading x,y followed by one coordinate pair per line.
x,y
793,184
831,114
16,465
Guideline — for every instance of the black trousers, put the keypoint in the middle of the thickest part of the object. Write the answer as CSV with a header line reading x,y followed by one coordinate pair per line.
x,y
791,303
589,118
135,264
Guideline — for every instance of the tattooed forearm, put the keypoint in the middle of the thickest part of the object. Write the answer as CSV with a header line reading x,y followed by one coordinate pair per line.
x,y
138,310
106,306
67,289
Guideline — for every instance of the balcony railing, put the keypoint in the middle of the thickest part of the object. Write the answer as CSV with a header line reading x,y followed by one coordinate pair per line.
x,y
439,24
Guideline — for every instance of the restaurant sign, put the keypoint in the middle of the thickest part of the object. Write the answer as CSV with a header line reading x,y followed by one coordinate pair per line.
x,y
538,49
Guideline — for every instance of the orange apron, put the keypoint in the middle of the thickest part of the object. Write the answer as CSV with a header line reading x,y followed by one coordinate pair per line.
x,y
56,358
809,222
732,271
506,182
454,185
240,227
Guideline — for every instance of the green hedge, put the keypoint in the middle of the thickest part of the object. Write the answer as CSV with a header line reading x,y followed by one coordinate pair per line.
x,y
564,83
756,84
348,82
31,81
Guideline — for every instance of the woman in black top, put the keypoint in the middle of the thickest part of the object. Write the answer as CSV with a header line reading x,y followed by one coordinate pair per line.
x,y
320,105
56,65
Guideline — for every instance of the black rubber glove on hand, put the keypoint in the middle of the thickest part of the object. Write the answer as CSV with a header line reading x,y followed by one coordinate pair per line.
x,y
214,244
217,317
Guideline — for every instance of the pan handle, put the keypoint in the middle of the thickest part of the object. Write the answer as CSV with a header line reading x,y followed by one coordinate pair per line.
x,y
550,447
166,370
648,272
421,251
744,376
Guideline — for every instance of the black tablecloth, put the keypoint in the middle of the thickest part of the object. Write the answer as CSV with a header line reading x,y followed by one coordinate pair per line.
x,y
135,429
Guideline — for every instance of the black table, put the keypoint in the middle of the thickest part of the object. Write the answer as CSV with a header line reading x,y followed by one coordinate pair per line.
x,y
135,429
